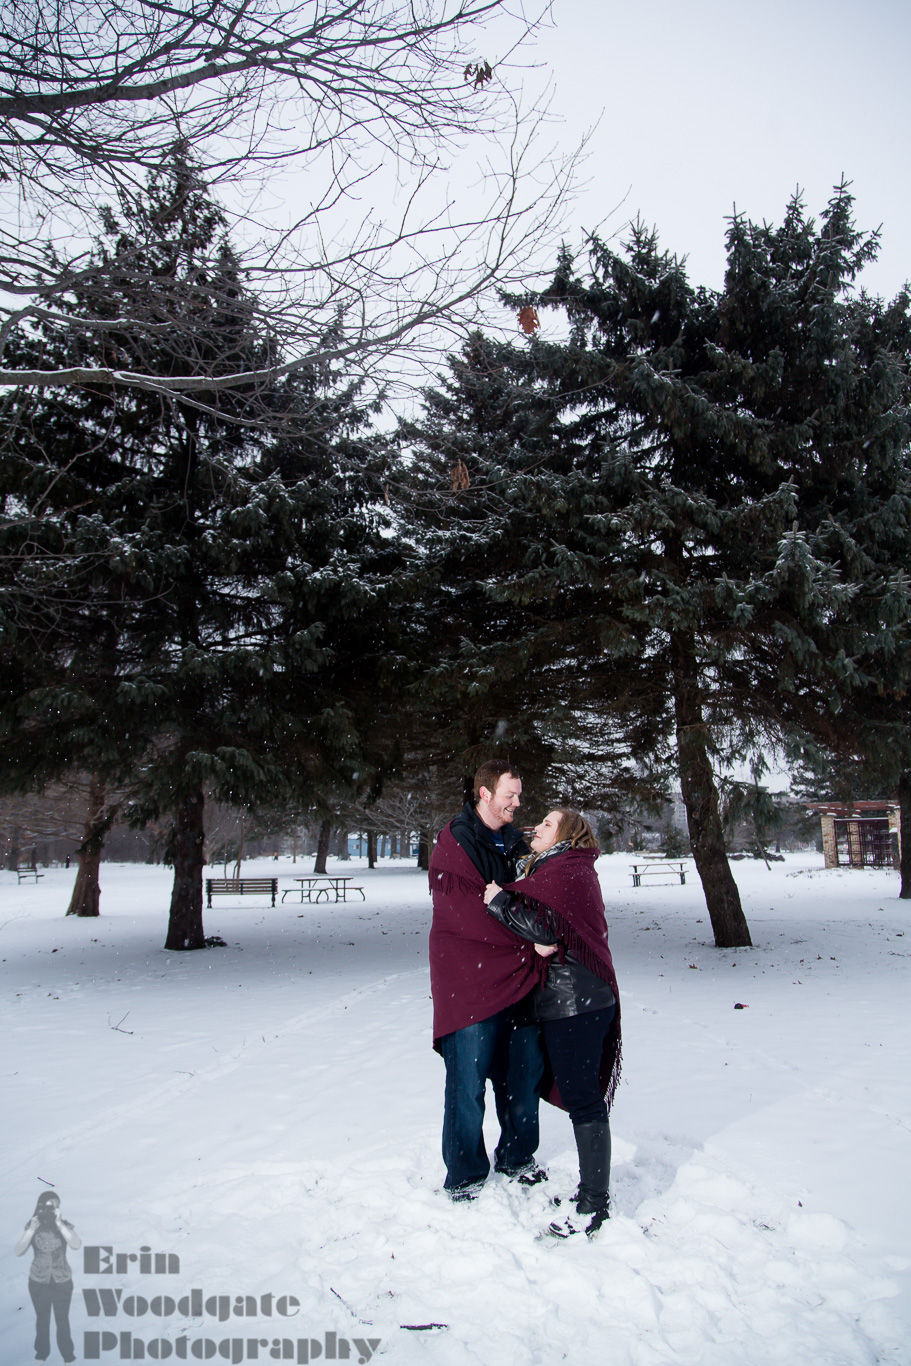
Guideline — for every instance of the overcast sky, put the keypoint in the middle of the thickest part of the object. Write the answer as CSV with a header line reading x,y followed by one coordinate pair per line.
x,y
704,104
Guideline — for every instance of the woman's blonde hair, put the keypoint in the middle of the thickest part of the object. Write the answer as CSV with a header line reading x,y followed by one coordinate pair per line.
x,y
575,828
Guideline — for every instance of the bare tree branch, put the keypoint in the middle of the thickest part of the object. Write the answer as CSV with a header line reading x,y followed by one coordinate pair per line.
x,y
376,100
71,75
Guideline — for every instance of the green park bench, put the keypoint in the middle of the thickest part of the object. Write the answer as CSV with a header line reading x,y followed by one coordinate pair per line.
x,y
240,886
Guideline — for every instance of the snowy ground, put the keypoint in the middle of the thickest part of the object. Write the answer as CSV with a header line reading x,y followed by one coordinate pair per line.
x,y
270,1112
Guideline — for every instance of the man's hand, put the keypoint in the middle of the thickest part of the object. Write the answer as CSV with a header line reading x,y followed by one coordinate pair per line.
x,y
490,891
545,950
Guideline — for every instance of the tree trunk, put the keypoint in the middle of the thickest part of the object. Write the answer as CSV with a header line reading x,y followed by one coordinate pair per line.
x,y
341,846
86,898
904,838
187,850
424,849
371,848
322,848
241,840
700,797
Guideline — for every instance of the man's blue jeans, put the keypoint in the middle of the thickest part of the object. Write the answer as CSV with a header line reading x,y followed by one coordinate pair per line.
x,y
512,1056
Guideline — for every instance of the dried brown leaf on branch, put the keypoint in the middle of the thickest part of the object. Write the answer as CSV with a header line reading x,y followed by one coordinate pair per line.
x,y
479,72
460,477
529,320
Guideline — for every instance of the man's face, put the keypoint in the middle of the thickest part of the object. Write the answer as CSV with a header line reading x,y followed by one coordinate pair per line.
x,y
502,804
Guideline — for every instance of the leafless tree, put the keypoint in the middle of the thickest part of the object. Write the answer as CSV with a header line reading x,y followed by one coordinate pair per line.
x,y
419,805
81,810
97,90
227,829
373,101
55,813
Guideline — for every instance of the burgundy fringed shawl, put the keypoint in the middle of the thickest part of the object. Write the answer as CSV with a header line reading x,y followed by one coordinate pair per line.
x,y
477,966
565,888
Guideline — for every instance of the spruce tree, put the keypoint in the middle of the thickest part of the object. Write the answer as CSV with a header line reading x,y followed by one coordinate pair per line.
x,y
839,405
196,586
695,531
482,465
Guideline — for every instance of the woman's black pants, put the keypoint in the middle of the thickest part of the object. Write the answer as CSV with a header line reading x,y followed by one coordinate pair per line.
x,y
575,1046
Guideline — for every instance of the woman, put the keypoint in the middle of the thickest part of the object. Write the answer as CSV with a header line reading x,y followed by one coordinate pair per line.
x,y
50,1280
558,906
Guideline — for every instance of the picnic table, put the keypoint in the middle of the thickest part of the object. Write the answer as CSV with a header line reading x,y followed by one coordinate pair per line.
x,y
659,866
324,888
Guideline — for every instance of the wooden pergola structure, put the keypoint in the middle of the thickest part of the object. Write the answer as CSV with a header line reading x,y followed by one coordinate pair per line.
x,y
863,834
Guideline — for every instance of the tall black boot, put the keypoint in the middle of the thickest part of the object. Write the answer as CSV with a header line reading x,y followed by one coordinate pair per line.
x,y
593,1147
592,1199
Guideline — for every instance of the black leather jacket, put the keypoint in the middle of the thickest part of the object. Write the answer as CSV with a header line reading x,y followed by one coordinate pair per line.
x,y
569,988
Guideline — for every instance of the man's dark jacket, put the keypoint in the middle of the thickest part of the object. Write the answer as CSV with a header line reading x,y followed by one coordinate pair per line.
x,y
477,841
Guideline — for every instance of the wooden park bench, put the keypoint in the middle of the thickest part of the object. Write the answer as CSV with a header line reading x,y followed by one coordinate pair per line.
x,y
655,867
240,886
23,874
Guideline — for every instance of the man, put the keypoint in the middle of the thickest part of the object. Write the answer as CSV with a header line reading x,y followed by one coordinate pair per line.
x,y
479,974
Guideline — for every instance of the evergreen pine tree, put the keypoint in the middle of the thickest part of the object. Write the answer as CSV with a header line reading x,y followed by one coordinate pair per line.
x,y
694,528
484,462
834,391
194,601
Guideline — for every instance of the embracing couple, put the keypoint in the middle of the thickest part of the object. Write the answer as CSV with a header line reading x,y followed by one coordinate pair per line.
x,y
524,992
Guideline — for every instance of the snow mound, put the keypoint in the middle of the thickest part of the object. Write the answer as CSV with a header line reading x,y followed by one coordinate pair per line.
x,y
711,1272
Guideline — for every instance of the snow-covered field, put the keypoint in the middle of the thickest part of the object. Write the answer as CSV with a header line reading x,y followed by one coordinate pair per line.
x,y
268,1114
